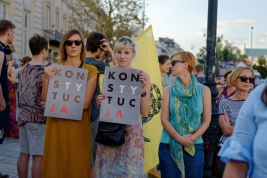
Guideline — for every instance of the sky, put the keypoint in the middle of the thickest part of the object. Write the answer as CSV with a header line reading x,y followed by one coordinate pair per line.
x,y
185,21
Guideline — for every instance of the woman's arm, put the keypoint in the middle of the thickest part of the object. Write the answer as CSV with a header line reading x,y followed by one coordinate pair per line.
x,y
48,72
184,140
12,75
235,169
206,116
90,89
145,100
225,125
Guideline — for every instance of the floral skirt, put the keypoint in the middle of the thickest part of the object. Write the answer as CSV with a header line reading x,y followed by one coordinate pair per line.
x,y
122,161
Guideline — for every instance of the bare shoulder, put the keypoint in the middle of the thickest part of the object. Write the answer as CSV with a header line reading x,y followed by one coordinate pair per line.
x,y
206,91
2,55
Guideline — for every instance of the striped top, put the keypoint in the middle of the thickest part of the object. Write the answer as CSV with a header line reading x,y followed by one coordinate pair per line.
x,y
231,108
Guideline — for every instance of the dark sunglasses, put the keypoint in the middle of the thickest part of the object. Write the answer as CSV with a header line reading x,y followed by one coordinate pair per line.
x,y
245,79
70,42
176,61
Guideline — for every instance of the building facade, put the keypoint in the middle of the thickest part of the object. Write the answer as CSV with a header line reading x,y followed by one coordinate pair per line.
x,y
48,18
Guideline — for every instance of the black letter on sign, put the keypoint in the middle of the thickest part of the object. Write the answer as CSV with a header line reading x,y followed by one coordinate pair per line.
x,y
135,77
131,102
119,101
125,76
109,98
110,86
110,75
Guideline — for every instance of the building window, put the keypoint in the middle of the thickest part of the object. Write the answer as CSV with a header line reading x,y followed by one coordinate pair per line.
x,y
2,11
64,22
57,21
25,33
47,18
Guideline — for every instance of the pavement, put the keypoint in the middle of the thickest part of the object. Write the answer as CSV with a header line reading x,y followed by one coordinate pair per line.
x,y
9,153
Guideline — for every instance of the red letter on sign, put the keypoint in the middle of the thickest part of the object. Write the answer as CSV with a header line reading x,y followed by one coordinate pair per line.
x,y
53,108
64,109
119,114
107,114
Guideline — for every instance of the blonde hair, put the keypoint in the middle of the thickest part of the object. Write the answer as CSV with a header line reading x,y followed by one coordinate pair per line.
x,y
125,42
236,72
187,57
62,48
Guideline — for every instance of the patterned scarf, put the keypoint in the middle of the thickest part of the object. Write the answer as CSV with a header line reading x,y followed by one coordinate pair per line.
x,y
187,118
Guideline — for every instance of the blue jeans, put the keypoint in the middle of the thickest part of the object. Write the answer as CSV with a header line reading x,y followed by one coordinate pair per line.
x,y
193,164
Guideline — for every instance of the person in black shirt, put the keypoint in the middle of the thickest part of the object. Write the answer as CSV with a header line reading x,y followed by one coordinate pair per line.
x,y
96,45
6,37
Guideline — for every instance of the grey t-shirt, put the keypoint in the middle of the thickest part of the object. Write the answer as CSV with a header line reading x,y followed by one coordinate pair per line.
x,y
231,108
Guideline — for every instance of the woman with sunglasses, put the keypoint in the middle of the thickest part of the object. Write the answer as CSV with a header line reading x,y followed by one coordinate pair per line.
x,y
126,160
242,78
185,116
245,151
67,142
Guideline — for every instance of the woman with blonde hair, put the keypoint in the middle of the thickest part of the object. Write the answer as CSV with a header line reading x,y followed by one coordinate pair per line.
x,y
242,78
185,116
126,160
245,151
67,142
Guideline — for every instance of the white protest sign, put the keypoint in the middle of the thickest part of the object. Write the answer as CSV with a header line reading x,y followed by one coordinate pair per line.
x,y
66,93
122,89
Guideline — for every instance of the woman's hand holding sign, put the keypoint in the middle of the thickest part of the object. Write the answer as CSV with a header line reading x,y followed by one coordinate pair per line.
x,y
48,72
145,101
99,99
144,78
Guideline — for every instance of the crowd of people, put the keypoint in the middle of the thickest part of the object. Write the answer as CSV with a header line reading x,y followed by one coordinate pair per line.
x,y
67,148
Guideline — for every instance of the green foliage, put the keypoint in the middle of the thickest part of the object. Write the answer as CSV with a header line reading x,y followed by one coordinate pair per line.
x,y
113,18
225,51
261,69
262,60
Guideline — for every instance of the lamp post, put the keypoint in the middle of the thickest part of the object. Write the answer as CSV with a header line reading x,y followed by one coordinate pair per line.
x,y
251,53
212,135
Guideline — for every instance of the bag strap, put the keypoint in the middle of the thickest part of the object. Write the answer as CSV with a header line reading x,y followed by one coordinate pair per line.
x,y
81,65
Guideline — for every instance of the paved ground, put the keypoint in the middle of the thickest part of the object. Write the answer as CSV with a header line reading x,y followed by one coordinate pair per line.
x,y
9,153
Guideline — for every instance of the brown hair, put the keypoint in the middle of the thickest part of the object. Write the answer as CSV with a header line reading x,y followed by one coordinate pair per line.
x,y
163,58
25,60
62,49
199,68
264,96
235,73
187,57
5,25
226,74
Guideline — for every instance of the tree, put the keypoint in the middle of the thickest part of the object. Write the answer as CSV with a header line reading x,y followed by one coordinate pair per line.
x,y
225,51
113,18
261,60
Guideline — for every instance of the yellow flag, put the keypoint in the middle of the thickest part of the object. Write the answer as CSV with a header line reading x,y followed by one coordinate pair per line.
x,y
147,61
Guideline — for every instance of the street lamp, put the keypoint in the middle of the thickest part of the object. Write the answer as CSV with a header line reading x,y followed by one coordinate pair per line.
x,y
213,133
251,63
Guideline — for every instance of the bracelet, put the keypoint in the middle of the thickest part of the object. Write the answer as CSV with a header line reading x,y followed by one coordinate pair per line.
x,y
143,94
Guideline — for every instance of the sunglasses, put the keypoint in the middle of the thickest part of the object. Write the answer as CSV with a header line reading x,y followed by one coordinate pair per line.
x,y
70,42
245,79
176,61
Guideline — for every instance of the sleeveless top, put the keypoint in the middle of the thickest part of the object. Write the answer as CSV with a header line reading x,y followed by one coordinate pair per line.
x,y
3,78
165,137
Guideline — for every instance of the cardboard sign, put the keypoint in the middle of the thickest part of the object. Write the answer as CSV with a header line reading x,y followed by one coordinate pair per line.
x,y
122,89
66,93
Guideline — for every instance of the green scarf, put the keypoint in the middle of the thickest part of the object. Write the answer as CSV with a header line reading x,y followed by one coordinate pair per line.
x,y
187,119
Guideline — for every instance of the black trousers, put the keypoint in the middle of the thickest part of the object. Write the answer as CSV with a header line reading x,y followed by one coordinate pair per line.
x,y
4,120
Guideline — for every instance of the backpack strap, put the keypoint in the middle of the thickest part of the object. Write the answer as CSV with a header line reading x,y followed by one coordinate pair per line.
x,y
81,65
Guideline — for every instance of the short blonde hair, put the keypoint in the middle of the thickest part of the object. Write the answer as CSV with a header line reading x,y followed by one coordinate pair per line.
x,y
125,42
187,57
236,72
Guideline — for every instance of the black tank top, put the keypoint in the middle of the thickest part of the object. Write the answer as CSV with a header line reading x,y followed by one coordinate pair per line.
x,y
3,78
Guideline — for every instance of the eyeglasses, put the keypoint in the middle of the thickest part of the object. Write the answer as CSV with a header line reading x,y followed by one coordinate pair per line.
x,y
245,79
175,61
70,42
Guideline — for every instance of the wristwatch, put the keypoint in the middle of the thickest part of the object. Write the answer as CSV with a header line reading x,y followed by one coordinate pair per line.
x,y
143,94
